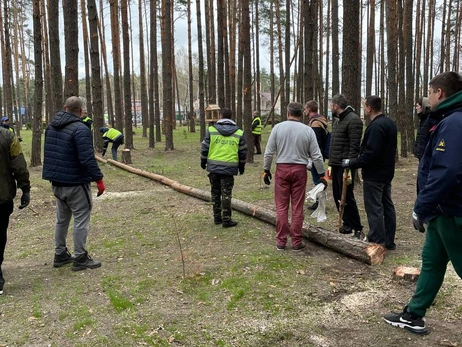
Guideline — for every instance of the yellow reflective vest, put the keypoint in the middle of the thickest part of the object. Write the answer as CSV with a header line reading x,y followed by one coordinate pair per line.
x,y
224,149
257,129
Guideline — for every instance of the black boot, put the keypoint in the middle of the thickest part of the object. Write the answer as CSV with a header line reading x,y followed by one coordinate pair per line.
x,y
217,220
84,261
229,224
62,259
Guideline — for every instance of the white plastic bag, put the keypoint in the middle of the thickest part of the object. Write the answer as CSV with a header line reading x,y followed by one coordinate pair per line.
x,y
318,194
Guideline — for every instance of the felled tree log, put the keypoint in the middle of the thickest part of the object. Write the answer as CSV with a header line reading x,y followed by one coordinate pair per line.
x,y
368,253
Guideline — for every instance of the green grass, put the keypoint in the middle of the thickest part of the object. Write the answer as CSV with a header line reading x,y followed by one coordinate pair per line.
x,y
116,297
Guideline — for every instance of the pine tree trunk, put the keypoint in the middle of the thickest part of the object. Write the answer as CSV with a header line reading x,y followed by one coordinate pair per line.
x,y
36,159
71,36
190,115
88,105
392,39
55,55
281,65
247,86
201,71
370,47
46,61
96,84
152,71
115,32
350,56
335,49
127,83
409,126
143,87
7,68
167,78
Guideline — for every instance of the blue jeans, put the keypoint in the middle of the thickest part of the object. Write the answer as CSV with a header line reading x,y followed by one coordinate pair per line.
x,y
315,176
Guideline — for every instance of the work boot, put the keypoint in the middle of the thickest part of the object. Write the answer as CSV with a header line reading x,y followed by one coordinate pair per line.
x,y
229,224
345,230
84,261
217,220
62,259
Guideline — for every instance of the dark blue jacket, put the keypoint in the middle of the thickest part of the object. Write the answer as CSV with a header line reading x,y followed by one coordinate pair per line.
x,y
440,169
69,158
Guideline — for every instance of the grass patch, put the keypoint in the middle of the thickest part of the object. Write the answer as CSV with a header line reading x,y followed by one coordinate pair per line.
x,y
118,300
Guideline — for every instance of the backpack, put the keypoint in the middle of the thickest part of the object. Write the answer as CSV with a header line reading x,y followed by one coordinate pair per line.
x,y
325,148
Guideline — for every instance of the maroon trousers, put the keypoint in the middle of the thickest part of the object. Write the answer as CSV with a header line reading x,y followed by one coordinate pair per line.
x,y
290,185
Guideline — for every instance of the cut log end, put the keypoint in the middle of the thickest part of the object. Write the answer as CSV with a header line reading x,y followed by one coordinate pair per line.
x,y
376,253
126,156
410,274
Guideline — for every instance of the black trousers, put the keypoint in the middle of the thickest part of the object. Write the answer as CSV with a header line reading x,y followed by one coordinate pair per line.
x,y
256,143
351,219
6,210
221,191
380,211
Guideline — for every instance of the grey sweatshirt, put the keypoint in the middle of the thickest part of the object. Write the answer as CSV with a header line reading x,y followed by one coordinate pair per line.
x,y
293,143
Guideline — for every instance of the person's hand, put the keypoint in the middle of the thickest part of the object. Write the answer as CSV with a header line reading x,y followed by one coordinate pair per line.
x,y
346,162
25,199
101,187
329,173
323,180
241,169
418,224
203,164
267,177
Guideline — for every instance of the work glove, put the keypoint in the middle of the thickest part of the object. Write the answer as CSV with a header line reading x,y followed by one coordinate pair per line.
x,y
204,163
323,180
267,177
329,173
241,169
25,199
101,187
418,224
104,153
346,162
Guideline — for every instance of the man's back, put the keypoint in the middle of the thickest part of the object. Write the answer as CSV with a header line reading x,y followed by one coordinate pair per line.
x,y
68,152
293,142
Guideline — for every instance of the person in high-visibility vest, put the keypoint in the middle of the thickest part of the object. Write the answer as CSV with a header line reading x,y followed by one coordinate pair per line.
x,y
223,154
86,120
114,136
5,123
256,131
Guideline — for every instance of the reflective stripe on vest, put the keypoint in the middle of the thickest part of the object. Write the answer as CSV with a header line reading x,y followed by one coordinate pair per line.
x,y
112,134
257,130
224,149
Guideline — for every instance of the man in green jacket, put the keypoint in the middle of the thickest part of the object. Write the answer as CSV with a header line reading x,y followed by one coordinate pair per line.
x,y
13,172
114,136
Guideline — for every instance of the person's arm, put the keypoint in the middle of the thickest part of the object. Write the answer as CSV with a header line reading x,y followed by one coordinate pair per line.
x,y
444,171
270,149
315,153
85,152
254,124
355,132
205,149
18,165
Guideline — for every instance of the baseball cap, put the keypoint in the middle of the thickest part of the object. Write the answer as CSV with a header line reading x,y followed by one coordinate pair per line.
x,y
4,119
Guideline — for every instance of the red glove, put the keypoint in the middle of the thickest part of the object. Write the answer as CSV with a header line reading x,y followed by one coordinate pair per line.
x,y
101,187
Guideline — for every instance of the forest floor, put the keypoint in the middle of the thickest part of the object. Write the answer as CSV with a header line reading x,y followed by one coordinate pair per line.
x,y
235,288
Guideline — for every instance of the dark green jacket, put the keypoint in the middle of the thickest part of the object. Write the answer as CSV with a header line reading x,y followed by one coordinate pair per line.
x,y
346,137
13,168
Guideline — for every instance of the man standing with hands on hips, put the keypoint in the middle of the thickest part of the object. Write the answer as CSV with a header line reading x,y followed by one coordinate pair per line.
x,y
70,165
294,143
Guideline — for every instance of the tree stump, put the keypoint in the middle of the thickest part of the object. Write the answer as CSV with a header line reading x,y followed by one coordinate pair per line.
x,y
410,274
126,156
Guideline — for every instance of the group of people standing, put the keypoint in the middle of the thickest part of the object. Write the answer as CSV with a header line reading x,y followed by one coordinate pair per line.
x,y
297,147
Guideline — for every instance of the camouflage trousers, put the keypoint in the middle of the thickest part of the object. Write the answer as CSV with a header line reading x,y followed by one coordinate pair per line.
x,y
222,191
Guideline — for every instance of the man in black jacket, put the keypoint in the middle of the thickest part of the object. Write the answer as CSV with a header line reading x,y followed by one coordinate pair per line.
x,y
345,141
70,165
377,160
